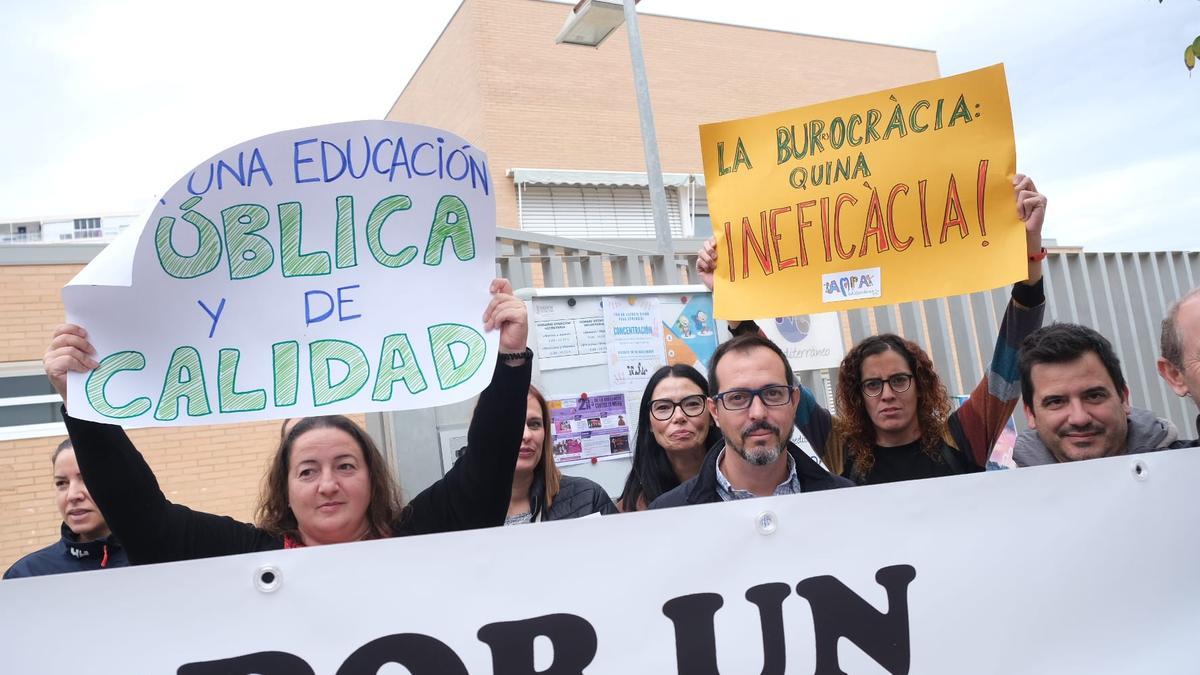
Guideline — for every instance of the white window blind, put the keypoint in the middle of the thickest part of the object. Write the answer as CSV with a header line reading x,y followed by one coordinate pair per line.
x,y
594,212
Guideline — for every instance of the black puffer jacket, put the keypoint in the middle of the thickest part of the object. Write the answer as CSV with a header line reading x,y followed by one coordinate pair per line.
x,y
577,497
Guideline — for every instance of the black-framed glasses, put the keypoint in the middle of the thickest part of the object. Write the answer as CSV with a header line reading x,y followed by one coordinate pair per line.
x,y
900,382
740,399
664,408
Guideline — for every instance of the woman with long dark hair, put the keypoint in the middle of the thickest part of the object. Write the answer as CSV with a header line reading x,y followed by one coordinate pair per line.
x,y
674,432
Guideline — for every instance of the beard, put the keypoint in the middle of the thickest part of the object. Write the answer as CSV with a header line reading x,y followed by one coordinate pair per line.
x,y
763,455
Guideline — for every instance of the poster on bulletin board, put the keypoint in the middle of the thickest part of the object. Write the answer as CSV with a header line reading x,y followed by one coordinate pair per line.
x,y
589,426
634,336
689,332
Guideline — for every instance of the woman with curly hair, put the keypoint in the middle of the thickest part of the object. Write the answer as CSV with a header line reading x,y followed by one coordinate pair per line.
x,y
894,418
897,420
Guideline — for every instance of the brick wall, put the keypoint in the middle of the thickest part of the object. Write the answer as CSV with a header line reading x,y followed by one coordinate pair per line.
x,y
210,468
497,77
31,307
214,469
217,469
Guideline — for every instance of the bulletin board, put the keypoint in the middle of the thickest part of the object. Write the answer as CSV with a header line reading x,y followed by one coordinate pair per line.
x,y
594,349
578,359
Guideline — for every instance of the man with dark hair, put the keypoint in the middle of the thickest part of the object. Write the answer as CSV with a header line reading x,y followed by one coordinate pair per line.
x,y
753,398
1077,402
1179,364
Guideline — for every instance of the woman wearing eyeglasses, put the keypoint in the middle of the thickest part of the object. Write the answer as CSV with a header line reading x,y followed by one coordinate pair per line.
x,y
673,433
894,421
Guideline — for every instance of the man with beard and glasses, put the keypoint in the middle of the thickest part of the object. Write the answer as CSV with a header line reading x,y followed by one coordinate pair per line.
x,y
753,398
1077,402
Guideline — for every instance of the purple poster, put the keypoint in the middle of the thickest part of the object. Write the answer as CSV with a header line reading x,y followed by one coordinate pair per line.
x,y
589,426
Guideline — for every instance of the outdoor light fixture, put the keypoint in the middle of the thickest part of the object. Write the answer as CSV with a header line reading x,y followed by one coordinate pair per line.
x,y
591,22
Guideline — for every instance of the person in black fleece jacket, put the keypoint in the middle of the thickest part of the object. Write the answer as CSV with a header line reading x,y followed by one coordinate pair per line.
x,y
333,478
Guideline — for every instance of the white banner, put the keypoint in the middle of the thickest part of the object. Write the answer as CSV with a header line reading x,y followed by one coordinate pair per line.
x,y
330,269
1086,568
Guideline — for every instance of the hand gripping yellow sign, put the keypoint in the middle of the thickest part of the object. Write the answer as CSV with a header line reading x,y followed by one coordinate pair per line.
x,y
904,194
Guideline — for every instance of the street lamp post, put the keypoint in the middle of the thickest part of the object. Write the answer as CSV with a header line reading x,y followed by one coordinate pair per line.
x,y
590,23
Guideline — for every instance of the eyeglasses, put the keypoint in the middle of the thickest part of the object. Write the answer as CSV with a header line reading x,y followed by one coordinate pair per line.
x,y
663,409
740,399
900,382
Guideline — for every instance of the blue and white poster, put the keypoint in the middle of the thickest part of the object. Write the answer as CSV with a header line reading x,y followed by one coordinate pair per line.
x,y
690,332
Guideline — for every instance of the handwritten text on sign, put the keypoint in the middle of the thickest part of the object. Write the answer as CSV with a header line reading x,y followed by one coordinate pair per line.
x,y
900,195
329,269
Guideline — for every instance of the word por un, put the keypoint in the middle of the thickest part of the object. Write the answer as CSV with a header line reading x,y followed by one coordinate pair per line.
x,y
838,613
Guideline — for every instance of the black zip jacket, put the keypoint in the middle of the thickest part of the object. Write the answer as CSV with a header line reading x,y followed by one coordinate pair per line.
x,y
703,488
68,555
577,497
474,493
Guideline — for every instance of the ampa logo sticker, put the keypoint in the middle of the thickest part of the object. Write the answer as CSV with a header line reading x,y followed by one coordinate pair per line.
x,y
851,285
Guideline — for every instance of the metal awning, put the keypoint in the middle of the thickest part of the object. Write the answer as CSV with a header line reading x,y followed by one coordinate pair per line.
x,y
615,178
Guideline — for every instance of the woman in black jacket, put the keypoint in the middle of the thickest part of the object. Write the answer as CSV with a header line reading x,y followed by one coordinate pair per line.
x,y
539,490
328,482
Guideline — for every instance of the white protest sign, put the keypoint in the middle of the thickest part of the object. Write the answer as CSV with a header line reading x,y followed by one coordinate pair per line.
x,y
1085,568
313,271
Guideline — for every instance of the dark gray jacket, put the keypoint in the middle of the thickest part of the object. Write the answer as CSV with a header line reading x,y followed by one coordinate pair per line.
x,y
1147,432
702,489
1181,443
577,497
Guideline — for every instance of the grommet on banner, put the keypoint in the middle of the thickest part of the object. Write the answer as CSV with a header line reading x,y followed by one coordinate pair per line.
x,y
268,578
766,522
1139,470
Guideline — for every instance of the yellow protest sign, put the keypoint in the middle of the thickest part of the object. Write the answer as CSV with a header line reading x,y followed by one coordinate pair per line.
x,y
904,194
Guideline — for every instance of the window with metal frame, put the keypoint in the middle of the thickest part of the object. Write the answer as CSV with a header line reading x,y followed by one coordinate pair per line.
x,y
88,228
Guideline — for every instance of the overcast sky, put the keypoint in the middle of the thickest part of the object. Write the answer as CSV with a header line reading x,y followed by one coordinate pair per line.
x,y
107,103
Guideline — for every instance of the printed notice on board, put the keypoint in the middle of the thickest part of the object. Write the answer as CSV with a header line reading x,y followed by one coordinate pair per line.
x,y
569,336
633,331
589,426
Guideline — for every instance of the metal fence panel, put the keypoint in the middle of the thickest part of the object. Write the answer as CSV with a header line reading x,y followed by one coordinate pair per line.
x,y
1124,296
